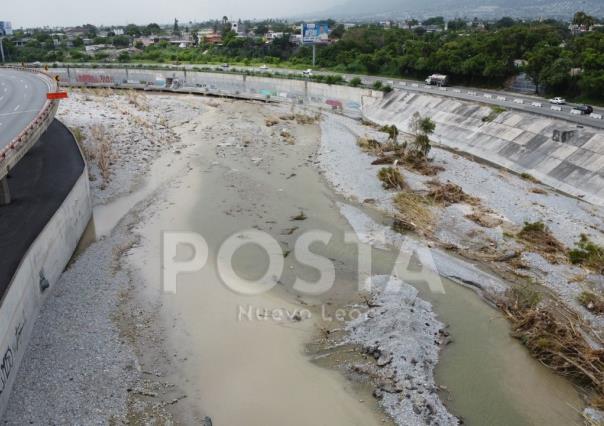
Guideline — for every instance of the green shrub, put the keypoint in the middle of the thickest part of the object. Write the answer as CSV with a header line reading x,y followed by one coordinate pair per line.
x,y
355,82
587,253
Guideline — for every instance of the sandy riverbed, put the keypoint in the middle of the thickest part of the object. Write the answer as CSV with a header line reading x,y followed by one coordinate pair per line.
x,y
211,166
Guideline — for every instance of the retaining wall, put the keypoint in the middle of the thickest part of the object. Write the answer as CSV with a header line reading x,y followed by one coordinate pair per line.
x,y
561,154
351,98
42,265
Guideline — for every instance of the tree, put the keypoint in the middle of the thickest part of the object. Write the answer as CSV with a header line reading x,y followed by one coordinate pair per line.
x,y
583,19
121,41
456,25
261,29
437,20
423,127
355,81
132,30
337,32
539,59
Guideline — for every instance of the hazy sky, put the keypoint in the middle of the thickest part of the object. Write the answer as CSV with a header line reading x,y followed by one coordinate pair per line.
x,y
28,13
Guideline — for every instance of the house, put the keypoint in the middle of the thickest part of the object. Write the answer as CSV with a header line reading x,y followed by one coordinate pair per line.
x,y
212,38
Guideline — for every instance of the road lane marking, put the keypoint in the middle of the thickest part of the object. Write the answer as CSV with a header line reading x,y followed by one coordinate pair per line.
x,y
17,107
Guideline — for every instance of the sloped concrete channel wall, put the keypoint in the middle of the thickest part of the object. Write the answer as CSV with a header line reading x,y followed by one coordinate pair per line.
x,y
561,154
41,266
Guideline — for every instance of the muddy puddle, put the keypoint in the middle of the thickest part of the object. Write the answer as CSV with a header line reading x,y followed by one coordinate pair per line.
x,y
238,365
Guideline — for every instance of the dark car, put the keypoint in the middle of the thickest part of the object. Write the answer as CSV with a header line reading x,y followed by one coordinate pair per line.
x,y
584,109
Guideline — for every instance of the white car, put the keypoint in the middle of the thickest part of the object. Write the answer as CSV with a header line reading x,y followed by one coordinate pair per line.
x,y
307,72
263,67
557,101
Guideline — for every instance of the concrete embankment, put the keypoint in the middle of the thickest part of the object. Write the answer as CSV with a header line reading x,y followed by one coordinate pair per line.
x,y
235,85
561,154
40,230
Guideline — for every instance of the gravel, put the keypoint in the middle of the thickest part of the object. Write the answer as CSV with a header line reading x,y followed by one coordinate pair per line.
x,y
77,367
402,334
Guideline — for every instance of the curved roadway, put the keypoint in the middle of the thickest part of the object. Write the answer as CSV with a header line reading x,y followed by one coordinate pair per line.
x,y
22,97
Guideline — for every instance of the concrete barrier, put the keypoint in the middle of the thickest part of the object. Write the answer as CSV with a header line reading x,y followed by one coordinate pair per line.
x,y
518,101
488,96
556,108
537,104
222,84
501,98
596,116
13,152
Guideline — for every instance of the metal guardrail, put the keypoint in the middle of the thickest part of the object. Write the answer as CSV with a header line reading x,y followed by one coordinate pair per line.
x,y
18,147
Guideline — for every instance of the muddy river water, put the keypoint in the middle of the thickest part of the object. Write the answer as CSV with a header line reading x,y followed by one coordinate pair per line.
x,y
250,370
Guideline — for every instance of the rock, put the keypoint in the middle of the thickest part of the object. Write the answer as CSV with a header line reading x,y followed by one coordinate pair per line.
x,y
384,360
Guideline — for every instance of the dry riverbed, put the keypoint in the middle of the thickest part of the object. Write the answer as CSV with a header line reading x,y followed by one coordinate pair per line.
x,y
111,346
508,225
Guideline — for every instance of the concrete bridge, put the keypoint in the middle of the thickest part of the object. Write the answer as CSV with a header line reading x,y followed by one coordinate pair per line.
x,y
25,114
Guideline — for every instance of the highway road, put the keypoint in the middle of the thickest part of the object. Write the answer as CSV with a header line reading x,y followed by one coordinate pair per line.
x,y
508,100
22,97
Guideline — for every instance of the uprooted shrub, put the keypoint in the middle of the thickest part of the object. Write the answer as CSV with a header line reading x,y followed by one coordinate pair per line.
x,y
557,339
369,145
414,212
592,302
539,235
391,178
448,193
587,253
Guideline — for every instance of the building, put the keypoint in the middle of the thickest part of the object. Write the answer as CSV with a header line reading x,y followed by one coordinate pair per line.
x,y
5,28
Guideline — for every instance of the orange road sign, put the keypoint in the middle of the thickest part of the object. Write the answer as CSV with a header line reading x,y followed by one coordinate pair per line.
x,y
56,95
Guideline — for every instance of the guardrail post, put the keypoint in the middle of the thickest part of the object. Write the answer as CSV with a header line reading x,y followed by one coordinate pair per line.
x,y
4,192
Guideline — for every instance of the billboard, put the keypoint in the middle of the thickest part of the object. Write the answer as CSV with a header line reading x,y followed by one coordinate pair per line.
x,y
315,33
5,28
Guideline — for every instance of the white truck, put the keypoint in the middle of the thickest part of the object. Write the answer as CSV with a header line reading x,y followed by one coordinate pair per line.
x,y
437,80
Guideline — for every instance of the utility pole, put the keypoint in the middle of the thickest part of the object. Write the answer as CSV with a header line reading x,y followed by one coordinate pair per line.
x,y
314,54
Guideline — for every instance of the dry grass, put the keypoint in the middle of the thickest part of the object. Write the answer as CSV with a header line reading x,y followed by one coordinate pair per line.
x,y
484,220
307,119
421,165
414,213
271,121
369,145
592,302
538,235
104,152
555,336
529,177
448,193
138,99
537,190
391,178
287,136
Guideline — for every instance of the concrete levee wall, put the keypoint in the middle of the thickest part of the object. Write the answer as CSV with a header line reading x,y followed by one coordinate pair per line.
x,y
351,98
561,154
47,257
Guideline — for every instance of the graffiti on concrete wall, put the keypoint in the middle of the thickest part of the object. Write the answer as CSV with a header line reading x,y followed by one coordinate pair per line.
x,y
92,78
9,355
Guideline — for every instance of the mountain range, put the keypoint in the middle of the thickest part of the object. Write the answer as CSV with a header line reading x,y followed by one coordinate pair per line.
x,y
485,9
